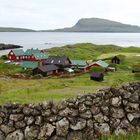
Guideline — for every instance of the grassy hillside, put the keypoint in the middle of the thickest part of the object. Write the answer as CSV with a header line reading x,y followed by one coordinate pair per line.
x,y
89,51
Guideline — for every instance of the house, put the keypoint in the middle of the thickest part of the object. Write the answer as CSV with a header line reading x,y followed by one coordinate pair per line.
x,y
97,76
46,70
35,55
38,57
29,55
60,61
16,55
101,64
30,64
118,59
29,52
80,64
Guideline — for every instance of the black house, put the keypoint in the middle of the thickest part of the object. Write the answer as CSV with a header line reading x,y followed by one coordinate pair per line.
x,y
46,70
60,61
97,76
118,59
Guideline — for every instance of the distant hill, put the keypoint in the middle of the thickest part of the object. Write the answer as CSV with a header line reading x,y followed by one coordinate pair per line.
x,y
11,29
99,25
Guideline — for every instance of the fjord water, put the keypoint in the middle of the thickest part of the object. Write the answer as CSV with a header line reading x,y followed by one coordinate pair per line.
x,y
44,40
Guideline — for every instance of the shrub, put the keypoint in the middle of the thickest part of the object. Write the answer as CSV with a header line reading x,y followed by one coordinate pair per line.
x,y
77,70
37,76
4,57
112,65
136,67
27,71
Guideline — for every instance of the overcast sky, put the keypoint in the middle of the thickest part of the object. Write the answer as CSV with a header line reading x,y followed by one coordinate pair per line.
x,y
52,14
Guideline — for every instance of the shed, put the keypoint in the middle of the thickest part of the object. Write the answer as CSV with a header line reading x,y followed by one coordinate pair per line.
x,y
79,63
97,76
118,59
46,70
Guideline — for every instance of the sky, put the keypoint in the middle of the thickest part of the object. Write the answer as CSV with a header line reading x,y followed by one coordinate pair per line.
x,y
53,14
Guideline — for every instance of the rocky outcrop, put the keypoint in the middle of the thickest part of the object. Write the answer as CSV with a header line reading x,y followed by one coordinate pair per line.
x,y
112,110
9,46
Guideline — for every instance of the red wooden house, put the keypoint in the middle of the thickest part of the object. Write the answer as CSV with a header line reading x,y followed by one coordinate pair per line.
x,y
29,55
16,55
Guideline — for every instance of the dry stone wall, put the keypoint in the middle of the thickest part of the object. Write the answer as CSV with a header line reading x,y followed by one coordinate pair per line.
x,y
112,110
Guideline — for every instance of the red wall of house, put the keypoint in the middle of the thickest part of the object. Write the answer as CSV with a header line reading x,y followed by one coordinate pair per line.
x,y
11,57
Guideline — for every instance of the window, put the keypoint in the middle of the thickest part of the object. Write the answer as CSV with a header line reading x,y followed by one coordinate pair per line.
x,y
11,53
17,58
52,61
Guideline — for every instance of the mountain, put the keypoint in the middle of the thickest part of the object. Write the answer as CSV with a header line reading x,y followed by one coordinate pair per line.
x,y
99,25
11,29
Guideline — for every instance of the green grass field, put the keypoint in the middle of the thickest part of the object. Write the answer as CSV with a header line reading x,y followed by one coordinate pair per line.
x,y
135,136
33,91
57,89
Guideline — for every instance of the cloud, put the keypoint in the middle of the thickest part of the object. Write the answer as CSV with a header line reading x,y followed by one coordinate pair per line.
x,y
51,14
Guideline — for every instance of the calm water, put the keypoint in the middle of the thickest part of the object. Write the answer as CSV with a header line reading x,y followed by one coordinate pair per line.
x,y
45,40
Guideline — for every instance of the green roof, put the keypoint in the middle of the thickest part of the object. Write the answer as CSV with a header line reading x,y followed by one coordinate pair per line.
x,y
18,52
30,64
102,63
32,51
79,62
40,56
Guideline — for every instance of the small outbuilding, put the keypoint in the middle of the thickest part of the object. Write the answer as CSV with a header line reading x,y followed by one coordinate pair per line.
x,y
118,59
80,64
46,70
97,76
101,64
